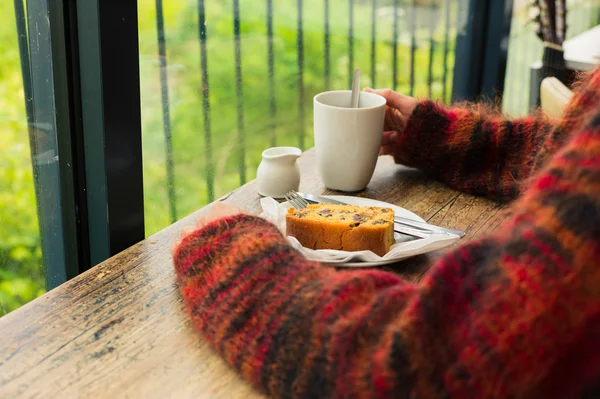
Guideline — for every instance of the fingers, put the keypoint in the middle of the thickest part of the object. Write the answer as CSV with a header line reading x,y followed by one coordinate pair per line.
x,y
405,105
394,120
392,98
387,142
389,138
386,150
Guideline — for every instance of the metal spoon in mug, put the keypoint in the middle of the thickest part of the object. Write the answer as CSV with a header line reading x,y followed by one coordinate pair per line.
x,y
355,89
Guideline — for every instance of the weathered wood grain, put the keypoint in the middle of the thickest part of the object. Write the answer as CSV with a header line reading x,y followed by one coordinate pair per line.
x,y
120,330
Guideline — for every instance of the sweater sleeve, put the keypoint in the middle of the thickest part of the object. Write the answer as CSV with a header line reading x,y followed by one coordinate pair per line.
x,y
472,149
514,314
481,152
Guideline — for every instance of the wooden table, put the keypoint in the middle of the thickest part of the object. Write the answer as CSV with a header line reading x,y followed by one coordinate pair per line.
x,y
120,330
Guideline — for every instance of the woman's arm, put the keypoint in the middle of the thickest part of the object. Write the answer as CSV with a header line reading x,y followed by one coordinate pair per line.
x,y
515,314
472,149
477,150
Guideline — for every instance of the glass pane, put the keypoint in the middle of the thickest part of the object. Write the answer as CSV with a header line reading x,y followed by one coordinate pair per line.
x,y
525,48
224,79
29,179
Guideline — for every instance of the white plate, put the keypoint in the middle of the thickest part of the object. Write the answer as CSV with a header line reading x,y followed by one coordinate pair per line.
x,y
358,201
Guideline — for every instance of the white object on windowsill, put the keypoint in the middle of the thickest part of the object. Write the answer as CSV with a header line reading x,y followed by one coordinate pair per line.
x,y
554,97
582,52
278,173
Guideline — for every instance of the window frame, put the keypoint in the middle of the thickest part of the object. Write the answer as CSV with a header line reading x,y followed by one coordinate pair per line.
x,y
95,58
482,50
95,74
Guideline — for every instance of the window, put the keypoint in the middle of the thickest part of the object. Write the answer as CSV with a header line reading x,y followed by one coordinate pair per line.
x,y
223,80
40,220
525,48
82,174
29,177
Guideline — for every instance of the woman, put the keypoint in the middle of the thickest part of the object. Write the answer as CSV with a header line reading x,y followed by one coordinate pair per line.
x,y
514,314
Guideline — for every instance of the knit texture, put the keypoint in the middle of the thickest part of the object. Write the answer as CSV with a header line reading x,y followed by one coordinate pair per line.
x,y
477,150
514,314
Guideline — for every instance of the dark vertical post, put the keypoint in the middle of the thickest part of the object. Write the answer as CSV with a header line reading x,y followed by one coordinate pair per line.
x,y
446,48
498,24
469,48
24,57
350,42
50,80
271,72
395,48
300,49
481,49
164,91
88,22
43,139
413,46
110,98
239,93
373,44
326,43
205,102
535,80
69,128
123,124
431,23
22,39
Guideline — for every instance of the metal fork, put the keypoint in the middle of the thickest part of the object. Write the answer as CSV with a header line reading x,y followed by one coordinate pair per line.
x,y
300,203
296,201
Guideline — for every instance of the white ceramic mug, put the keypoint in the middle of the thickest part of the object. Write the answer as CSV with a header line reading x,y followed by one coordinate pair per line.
x,y
347,140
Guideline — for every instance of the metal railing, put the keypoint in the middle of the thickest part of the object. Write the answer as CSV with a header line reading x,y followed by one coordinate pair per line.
x,y
408,45
426,37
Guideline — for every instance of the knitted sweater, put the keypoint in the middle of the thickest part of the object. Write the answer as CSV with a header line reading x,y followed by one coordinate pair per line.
x,y
513,314
479,151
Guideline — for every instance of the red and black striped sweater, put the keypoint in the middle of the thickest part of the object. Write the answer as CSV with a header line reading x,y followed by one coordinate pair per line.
x,y
515,314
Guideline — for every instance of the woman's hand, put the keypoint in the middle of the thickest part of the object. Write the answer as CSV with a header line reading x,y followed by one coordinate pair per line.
x,y
398,110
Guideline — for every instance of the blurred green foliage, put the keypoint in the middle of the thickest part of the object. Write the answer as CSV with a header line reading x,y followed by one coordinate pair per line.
x,y
21,275
21,271
183,56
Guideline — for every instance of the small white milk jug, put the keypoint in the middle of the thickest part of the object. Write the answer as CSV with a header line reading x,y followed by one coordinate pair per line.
x,y
278,173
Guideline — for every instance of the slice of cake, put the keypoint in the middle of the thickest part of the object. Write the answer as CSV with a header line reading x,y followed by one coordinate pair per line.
x,y
342,227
